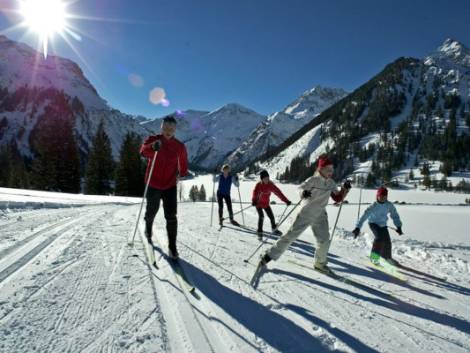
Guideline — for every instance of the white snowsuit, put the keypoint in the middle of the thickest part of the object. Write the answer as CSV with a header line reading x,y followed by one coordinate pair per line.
x,y
313,214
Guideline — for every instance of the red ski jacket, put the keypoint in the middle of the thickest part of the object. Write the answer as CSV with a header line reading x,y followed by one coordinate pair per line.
x,y
262,192
171,161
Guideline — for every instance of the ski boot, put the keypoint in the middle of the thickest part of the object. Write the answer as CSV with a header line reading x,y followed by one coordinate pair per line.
x,y
375,258
234,222
173,254
323,268
276,232
259,233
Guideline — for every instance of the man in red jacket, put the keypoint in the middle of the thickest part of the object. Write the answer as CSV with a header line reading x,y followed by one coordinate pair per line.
x,y
260,200
171,161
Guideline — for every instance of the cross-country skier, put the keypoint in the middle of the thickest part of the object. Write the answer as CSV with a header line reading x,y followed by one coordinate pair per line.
x,y
171,162
225,180
260,200
377,215
315,193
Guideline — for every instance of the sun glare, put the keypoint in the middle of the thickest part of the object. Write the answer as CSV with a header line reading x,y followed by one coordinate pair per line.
x,y
45,18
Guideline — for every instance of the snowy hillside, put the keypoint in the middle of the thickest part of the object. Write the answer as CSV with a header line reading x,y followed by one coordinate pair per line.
x,y
31,85
281,125
414,113
210,137
68,282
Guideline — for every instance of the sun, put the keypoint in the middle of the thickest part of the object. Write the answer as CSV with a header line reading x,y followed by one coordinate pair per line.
x,y
45,18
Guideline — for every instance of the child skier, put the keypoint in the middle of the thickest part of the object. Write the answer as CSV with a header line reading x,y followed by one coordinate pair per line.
x,y
377,214
315,193
225,181
260,200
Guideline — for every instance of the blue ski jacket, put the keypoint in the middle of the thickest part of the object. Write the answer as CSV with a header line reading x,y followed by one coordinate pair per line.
x,y
378,213
225,184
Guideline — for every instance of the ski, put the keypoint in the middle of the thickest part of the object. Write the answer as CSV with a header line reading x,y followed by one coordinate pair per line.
x,y
331,274
346,280
181,275
385,267
151,254
259,271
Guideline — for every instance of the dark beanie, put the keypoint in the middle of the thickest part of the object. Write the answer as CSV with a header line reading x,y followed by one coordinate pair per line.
x,y
263,174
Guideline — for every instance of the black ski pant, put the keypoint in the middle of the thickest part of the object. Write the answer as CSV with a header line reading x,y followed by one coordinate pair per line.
x,y
270,214
382,244
168,197
228,202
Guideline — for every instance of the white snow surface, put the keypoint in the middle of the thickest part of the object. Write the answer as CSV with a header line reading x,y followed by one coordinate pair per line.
x,y
70,283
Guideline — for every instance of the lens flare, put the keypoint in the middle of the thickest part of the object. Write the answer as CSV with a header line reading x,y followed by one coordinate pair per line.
x,y
158,96
136,80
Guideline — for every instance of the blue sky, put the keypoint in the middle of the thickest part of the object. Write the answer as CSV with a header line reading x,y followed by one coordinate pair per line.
x,y
260,53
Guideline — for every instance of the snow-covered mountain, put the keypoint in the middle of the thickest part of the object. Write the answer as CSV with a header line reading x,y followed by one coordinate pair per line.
x,y
281,125
210,136
415,111
29,84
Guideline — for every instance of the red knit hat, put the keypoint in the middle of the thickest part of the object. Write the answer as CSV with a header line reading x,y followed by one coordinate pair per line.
x,y
382,191
323,162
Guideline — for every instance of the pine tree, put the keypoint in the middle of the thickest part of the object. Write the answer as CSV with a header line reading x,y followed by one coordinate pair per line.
x,y
57,163
202,194
193,193
100,168
130,171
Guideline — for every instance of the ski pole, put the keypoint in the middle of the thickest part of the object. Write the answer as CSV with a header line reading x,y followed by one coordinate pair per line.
x,y
254,252
285,209
359,207
262,243
131,243
395,229
288,214
213,199
336,222
241,206
243,209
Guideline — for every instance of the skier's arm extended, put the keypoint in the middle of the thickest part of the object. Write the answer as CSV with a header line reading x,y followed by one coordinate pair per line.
x,y
365,216
279,193
394,214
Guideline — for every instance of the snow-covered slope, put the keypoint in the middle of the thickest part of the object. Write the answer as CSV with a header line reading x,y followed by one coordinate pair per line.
x,y
69,282
29,84
410,103
210,137
279,126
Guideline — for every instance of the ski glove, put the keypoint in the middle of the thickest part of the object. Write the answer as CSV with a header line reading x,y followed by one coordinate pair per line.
x,y
356,232
288,203
306,194
157,145
347,185
253,203
399,231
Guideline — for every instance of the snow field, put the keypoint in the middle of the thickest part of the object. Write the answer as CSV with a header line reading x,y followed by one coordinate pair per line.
x,y
73,284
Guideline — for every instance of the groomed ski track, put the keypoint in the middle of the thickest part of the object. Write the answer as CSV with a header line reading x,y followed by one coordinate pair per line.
x,y
70,283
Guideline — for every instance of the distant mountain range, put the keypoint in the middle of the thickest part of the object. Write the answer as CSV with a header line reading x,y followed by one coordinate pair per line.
x,y
29,83
415,111
413,115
